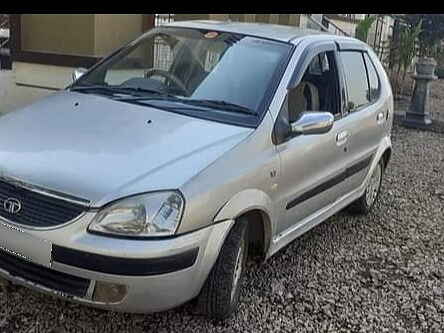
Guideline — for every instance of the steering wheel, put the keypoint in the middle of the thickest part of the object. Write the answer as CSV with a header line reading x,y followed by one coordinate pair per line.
x,y
170,77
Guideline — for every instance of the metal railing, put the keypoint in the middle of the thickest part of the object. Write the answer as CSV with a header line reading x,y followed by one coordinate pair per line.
x,y
4,25
326,24
161,19
4,21
349,16
316,23
163,55
335,29
4,43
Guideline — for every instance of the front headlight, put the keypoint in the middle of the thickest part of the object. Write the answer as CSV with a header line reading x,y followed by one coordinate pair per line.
x,y
153,214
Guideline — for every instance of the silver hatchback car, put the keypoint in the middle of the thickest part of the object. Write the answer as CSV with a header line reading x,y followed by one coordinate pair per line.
x,y
148,181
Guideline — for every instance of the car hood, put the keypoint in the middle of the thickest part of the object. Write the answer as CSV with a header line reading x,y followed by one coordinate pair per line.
x,y
98,149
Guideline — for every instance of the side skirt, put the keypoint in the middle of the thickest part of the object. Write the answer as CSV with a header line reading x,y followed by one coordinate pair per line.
x,y
290,234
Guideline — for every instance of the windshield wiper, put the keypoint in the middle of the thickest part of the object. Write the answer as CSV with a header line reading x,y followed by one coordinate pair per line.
x,y
206,103
117,90
159,95
111,89
221,105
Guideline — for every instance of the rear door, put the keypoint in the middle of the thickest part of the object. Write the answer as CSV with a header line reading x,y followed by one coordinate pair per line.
x,y
365,112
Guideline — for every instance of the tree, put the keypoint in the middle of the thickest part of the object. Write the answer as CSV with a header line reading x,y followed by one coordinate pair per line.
x,y
432,31
402,52
363,28
407,50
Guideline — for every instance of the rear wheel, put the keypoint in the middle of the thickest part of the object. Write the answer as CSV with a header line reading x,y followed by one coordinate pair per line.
x,y
365,203
219,297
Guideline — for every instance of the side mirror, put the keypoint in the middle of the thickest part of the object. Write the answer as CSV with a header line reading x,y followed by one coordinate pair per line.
x,y
313,123
78,72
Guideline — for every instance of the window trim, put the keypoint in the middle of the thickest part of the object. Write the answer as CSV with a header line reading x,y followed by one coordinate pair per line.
x,y
343,97
368,76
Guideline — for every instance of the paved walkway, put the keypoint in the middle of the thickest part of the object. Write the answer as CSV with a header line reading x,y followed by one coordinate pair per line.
x,y
13,96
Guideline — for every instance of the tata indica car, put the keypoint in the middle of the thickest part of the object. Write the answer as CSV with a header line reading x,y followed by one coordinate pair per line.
x,y
148,181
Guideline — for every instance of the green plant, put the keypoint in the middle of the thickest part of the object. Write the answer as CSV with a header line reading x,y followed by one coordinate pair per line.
x,y
407,49
363,28
432,31
402,52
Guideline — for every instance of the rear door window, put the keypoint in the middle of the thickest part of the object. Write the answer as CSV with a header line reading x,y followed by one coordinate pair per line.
x,y
373,79
356,79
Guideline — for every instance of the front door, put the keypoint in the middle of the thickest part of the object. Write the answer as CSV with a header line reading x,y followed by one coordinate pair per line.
x,y
312,166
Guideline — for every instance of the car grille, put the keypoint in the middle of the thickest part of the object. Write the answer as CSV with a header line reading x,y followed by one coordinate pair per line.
x,y
37,210
43,276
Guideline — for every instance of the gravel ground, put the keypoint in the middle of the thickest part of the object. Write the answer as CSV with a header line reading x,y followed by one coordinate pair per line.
x,y
380,273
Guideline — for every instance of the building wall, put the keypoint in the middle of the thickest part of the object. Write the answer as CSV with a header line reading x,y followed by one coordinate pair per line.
x,y
72,34
285,19
114,30
63,33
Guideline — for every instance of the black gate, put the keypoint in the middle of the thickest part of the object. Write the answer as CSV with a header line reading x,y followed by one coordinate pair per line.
x,y
161,19
162,51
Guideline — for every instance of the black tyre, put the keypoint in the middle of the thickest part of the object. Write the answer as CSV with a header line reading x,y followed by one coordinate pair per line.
x,y
365,203
219,297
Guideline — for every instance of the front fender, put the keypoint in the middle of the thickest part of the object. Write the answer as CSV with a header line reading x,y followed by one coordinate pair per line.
x,y
247,201
242,202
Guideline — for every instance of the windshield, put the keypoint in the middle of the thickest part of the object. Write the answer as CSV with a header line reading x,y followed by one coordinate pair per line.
x,y
228,71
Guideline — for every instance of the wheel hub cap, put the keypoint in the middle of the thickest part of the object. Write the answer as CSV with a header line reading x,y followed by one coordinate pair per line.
x,y
373,186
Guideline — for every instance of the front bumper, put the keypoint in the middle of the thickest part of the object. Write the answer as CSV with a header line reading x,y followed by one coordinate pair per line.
x,y
158,274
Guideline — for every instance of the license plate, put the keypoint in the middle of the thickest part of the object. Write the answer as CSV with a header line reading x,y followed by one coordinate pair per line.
x,y
24,245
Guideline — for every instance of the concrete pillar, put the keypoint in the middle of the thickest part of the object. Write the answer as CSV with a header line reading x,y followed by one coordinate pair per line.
x,y
418,115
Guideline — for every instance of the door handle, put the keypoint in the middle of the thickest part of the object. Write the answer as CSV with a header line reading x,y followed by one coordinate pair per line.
x,y
341,138
380,118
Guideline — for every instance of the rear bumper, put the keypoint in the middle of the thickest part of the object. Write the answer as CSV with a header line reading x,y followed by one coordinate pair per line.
x,y
156,274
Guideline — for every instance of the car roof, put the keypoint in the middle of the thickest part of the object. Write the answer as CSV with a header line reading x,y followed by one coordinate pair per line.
x,y
282,33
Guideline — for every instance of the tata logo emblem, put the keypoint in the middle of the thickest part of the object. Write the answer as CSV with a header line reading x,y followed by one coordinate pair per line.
x,y
12,206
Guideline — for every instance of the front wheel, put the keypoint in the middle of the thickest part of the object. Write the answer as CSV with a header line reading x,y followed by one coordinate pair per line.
x,y
365,203
219,297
